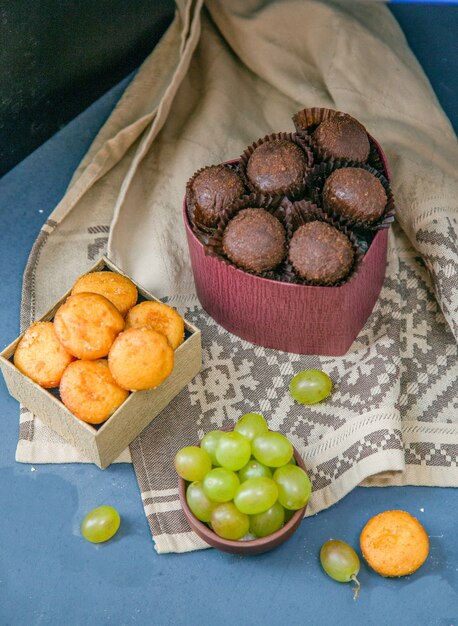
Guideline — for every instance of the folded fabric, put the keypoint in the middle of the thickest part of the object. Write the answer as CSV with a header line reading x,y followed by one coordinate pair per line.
x,y
225,74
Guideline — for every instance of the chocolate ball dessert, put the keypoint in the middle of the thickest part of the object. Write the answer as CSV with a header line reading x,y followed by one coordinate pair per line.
x,y
276,166
254,240
342,137
211,191
355,193
320,253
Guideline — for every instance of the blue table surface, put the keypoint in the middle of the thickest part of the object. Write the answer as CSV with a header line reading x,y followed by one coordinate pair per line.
x,y
50,575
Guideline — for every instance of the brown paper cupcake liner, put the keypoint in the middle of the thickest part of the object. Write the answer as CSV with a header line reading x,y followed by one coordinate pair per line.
x,y
296,212
295,191
317,179
313,210
214,245
307,120
302,212
293,219
375,160
202,230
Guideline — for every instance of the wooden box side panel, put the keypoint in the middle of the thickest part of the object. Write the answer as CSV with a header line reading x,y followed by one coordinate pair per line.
x,y
143,406
51,411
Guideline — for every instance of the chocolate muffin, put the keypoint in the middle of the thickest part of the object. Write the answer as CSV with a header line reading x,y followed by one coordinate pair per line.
x,y
276,166
254,240
211,191
320,253
355,193
342,137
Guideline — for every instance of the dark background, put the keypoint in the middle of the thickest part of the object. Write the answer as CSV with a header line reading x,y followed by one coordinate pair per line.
x,y
57,57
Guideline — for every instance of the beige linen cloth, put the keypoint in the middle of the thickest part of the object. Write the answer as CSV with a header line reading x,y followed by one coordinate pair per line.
x,y
226,73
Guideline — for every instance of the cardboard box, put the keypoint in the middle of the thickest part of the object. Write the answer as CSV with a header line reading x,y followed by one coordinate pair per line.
x,y
103,444
293,318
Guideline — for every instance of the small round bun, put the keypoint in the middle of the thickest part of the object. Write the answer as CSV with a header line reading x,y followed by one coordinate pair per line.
x,y
159,317
87,324
40,356
118,289
394,543
140,358
90,392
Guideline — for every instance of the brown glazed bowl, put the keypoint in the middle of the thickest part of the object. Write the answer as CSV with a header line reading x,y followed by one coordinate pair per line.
x,y
256,546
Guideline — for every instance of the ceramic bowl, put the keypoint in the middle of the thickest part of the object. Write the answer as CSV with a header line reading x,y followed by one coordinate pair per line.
x,y
255,546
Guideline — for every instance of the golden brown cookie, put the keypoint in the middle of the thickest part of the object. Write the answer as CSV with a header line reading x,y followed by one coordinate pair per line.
x,y
118,289
87,324
90,392
394,543
159,317
140,358
40,356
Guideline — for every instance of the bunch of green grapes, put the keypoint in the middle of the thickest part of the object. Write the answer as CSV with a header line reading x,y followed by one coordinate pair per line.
x,y
244,482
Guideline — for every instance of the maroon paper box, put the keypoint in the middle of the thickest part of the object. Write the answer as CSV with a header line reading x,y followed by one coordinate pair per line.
x,y
292,318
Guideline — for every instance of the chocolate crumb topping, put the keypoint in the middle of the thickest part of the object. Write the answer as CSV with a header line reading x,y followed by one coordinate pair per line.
x,y
320,253
342,137
355,193
254,240
276,166
213,189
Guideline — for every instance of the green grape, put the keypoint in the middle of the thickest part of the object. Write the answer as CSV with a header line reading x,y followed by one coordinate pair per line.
x,y
228,522
340,562
292,460
200,505
266,523
220,484
192,463
233,451
272,449
310,386
288,515
253,469
250,425
256,495
294,488
209,442
100,524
